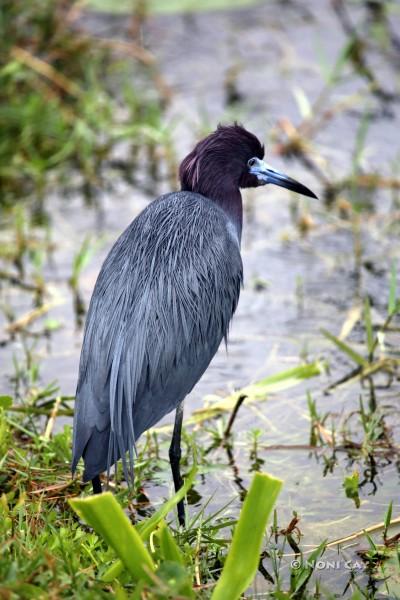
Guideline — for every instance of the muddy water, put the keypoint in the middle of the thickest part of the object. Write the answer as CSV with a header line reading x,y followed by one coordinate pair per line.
x,y
309,282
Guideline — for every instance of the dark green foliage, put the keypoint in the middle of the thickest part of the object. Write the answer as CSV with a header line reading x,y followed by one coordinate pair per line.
x,y
58,112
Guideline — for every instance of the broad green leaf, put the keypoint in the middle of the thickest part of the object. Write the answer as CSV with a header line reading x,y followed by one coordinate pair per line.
x,y
105,515
5,402
120,593
169,548
244,554
146,527
27,590
176,577
355,356
350,485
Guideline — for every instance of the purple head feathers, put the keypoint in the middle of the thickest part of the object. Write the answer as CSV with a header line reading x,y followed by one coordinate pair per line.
x,y
220,159
217,167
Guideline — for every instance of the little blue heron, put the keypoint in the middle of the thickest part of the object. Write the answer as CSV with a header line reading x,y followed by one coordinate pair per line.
x,y
163,302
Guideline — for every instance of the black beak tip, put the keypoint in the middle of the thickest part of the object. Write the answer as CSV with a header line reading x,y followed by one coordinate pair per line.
x,y
301,189
311,194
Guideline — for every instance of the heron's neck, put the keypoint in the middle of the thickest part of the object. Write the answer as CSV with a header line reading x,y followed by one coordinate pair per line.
x,y
227,195
223,192
230,200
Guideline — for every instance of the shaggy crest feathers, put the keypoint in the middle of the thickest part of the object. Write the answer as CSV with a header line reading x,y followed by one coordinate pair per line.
x,y
217,168
219,159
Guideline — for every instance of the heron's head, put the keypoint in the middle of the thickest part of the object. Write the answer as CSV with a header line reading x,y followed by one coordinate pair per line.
x,y
228,159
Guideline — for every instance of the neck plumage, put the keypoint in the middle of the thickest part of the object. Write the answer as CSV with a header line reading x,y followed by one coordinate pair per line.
x,y
209,176
230,200
227,196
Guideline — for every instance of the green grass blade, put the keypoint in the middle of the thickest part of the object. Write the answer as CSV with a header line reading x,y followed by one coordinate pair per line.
x,y
259,390
355,356
284,379
368,328
388,518
169,548
302,575
371,542
170,7
244,554
392,291
146,527
107,518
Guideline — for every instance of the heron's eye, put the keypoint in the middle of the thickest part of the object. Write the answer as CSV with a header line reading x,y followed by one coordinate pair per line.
x,y
251,162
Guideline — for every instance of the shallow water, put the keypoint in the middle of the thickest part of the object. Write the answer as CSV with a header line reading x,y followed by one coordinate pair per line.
x,y
310,281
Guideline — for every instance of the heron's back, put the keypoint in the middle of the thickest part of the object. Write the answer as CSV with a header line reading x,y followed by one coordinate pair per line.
x,y
161,306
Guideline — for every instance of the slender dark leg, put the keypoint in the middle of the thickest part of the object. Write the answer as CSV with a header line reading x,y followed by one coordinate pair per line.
x,y
175,457
96,483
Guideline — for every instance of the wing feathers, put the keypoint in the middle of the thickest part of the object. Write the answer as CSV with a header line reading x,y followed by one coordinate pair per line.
x,y
161,306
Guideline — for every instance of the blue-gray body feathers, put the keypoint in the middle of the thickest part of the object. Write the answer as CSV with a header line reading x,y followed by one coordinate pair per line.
x,y
160,308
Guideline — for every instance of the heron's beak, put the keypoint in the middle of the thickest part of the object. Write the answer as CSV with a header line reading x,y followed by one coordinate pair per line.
x,y
266,174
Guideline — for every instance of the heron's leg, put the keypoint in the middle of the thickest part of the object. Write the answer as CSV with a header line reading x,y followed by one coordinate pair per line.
x,y
175,457
96,483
